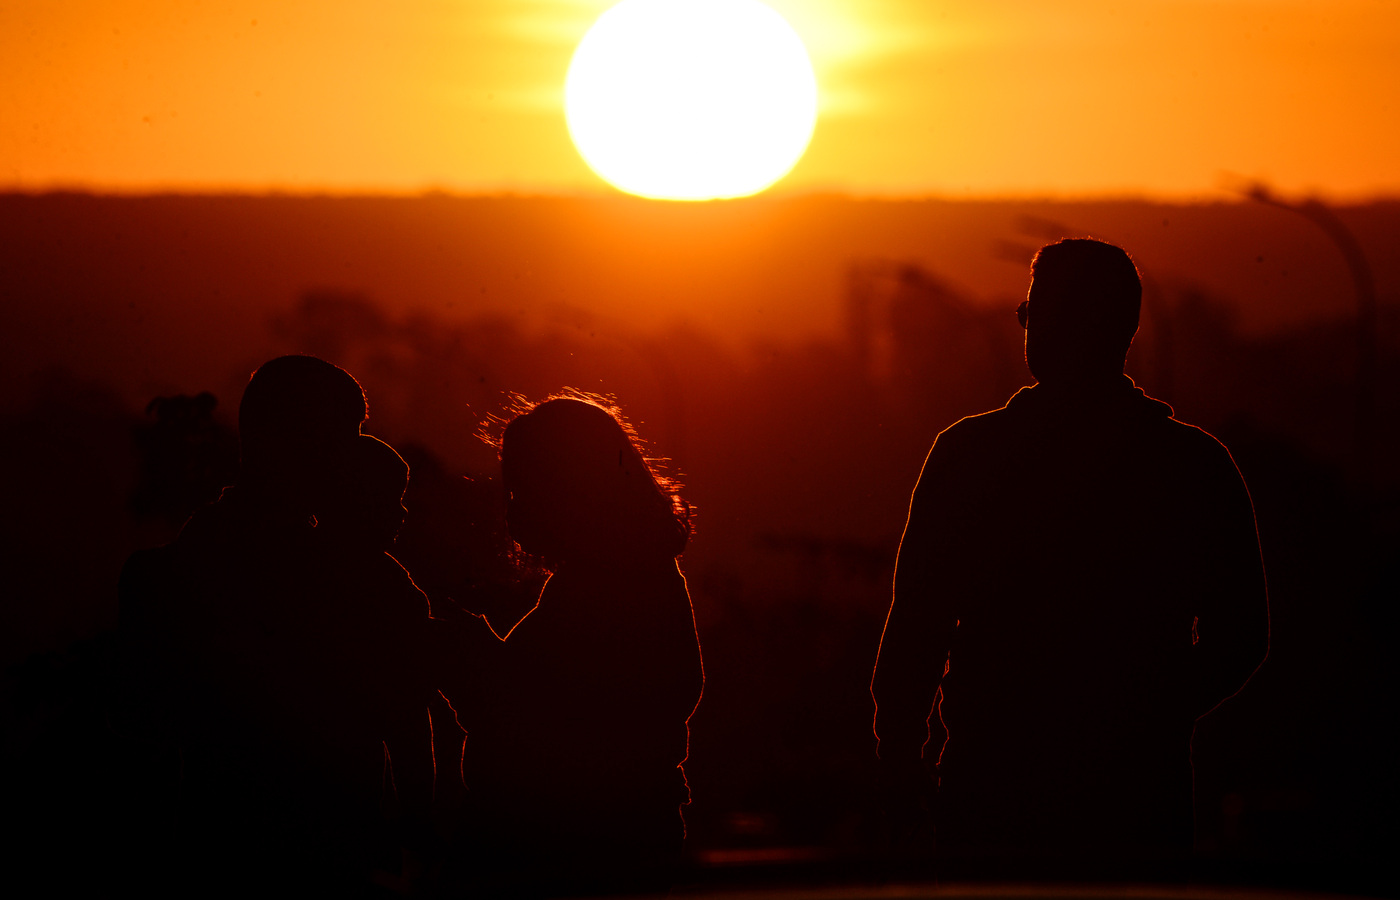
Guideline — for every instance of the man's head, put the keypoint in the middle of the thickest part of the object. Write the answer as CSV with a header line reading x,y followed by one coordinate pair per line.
x,y
296,413
1081,312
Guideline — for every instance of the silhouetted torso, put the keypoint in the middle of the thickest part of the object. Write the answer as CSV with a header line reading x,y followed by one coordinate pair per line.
x,y
369,690
1087,569
577,736
281,664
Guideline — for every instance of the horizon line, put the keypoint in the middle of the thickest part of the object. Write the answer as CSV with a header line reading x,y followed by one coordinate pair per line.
x,y
1217,196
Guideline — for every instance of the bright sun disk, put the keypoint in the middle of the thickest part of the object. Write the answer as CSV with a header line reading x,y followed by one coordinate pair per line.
x,y
691,99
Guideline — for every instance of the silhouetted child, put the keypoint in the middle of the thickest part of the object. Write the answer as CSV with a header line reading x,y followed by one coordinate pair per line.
x,y
578,737
374,652
365,511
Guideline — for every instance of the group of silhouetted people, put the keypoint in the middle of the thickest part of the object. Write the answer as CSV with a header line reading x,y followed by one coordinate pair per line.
x,y
1079,580
304,705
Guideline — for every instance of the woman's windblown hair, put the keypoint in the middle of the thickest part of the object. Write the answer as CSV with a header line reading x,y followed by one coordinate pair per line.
x,y
578,486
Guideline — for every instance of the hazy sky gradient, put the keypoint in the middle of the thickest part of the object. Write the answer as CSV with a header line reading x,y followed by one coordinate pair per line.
x,y
949,97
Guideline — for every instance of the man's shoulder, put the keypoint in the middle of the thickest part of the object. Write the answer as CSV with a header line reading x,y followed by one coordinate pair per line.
x,y
971,432
1023,417
1199,451
1183,437
970,451
1194,435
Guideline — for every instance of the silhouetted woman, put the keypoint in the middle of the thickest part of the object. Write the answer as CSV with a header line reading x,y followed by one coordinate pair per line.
x,y
577,750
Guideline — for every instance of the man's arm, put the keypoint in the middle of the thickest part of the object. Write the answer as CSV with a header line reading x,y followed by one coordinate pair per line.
x,y
1230,633
921,622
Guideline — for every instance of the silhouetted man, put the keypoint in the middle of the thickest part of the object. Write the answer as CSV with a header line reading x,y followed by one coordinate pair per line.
x,y
1079,581
245,645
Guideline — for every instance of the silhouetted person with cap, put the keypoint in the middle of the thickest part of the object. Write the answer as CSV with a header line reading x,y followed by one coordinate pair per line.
x,y
240,640
578,734
1079,580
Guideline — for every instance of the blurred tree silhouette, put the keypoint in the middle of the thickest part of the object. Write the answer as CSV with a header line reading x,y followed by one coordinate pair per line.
x,y
186,458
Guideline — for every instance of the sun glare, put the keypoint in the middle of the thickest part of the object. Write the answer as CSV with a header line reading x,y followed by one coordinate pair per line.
x,y
691,99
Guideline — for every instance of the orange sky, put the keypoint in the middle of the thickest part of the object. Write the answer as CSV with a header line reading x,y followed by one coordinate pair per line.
x,y
949,97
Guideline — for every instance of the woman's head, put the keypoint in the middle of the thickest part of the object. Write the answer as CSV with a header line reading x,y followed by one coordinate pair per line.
x,y
578,486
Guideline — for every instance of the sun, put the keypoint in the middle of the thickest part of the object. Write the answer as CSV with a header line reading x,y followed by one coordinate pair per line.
x,y
691,99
